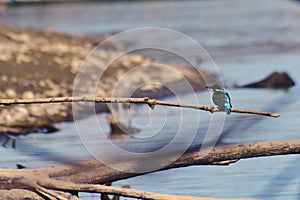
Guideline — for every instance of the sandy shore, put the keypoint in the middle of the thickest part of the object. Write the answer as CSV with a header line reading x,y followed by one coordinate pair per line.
x,y
43,63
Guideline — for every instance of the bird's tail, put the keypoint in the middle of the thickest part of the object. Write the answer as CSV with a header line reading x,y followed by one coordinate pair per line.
x,y
227,109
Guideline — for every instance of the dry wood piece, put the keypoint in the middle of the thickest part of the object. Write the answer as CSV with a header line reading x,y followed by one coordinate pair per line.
x,y
145,100
84,176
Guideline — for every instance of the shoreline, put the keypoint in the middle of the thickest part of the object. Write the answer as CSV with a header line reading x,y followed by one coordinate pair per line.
x,y
41,63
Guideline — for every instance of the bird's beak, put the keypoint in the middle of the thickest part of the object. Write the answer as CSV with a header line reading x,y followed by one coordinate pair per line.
x,y
208,87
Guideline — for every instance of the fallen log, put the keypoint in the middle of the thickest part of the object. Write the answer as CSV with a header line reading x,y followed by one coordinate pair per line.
x,y
58,182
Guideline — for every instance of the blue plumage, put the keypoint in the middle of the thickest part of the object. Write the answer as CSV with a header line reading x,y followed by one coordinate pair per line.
x,y
221,98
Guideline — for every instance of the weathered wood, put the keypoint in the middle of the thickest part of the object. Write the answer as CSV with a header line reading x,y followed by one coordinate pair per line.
x,y
83,176
95,172
32,180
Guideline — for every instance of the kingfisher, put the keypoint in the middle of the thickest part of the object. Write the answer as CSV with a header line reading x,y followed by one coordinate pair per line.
x,y
221,98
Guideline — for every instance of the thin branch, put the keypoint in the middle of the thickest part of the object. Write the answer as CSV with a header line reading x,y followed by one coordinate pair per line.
x,y
145,100
125,192
51,196
276,115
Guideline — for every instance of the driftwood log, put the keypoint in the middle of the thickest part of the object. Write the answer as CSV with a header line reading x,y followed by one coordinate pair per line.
x,y
62,182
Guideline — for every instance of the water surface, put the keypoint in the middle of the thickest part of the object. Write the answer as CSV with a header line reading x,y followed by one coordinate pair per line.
x,y
247,40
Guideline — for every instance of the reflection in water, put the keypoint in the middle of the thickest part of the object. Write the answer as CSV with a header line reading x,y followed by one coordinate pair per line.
x,y
14,133
115,197
118,129
6,139
117,121
284,175
244,124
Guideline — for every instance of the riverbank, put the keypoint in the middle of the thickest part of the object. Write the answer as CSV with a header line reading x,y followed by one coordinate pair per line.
x,y
43,63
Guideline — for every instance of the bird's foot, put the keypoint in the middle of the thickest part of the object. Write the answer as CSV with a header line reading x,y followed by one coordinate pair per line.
x,y
215,109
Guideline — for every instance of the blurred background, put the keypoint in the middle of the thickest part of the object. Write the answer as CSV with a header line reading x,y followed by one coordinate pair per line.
x,y
248,40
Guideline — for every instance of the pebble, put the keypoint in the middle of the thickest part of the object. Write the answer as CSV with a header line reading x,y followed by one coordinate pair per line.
x,y
4,78
28,95
10,93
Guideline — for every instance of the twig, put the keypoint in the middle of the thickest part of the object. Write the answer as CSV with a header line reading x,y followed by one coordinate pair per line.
x,y
125,192
276,115
145,100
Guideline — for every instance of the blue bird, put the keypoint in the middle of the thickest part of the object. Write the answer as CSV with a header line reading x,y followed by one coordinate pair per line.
x,y
221,98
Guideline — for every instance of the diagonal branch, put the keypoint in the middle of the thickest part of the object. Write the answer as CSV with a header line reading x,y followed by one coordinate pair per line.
x,y
145,100
96,172
83,177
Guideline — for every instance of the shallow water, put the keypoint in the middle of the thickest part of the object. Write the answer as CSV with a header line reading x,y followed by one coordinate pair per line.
x,y
247,42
